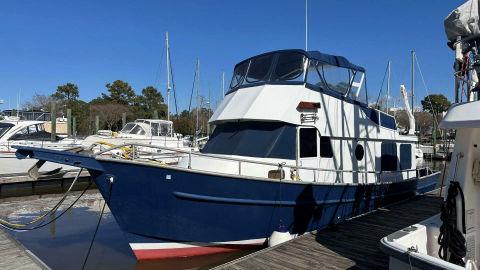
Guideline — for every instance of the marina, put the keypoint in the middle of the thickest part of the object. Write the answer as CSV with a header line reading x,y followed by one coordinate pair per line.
x,y
290,159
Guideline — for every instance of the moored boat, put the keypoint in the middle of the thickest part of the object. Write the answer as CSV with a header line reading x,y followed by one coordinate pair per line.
x,y
295,146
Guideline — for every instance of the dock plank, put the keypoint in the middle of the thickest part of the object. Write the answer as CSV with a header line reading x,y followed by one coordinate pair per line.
x,y
354,244
14,256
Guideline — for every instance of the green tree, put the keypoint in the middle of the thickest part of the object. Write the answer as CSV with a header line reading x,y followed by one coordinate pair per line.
x,y
119,92
67,92
435,104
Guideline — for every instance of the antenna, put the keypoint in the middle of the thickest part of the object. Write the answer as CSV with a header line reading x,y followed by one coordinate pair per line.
x,y
388,84
306,25
223,84
168,75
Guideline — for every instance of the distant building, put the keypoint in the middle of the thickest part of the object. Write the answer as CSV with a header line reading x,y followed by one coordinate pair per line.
x,y
28,115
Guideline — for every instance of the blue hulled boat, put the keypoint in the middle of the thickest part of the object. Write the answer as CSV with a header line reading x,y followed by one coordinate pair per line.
x,y
294,146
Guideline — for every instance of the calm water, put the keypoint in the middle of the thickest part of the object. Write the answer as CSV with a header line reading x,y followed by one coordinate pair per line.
x,y
64,243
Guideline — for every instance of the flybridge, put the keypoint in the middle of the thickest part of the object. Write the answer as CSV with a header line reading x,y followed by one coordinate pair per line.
x,y
332,74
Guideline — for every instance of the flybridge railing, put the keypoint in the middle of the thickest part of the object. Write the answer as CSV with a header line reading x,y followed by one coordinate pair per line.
x,y
136,152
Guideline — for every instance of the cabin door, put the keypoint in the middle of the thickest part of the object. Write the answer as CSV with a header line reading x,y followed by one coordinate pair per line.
x,y
307,151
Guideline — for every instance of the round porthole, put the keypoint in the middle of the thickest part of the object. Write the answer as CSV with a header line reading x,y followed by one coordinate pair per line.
x,y
359,152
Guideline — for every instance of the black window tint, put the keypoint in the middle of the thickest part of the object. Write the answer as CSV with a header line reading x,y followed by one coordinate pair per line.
x,y
289,67
387,121
326,150
405,156
389,157
259,68
253,139
308,142
239,74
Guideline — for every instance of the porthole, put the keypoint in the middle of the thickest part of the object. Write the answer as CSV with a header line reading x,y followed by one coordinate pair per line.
x,y
359,152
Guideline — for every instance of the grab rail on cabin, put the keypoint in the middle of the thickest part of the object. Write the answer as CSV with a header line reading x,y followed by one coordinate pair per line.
x,y
173,153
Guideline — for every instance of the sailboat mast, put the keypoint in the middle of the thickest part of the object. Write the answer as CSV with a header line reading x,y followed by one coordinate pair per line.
x,y
388,84
413,80
168,75
197,96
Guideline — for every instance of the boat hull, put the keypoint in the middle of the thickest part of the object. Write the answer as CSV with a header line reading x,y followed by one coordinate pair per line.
x,y
169,212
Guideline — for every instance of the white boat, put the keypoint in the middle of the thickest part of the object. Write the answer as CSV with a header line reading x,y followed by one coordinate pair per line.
x,y
451,239
295,149
15,132
418,245
154,132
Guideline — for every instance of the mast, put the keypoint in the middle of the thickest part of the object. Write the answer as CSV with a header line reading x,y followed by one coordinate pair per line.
x,y
306,25
168,75
388,83
197,90
413,80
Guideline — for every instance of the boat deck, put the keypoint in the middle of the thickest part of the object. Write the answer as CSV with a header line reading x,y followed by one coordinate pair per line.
x,y
354,244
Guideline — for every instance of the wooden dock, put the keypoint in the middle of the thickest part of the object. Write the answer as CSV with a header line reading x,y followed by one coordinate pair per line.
x,y
354,244
15,256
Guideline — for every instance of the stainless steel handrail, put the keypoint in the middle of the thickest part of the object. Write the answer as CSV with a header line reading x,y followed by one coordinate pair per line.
x,y
240,160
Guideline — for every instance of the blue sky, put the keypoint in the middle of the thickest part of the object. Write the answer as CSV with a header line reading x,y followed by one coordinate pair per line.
x,y
47,43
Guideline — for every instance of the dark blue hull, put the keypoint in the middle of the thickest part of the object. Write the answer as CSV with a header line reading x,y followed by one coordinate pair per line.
x,y
185,206
170,212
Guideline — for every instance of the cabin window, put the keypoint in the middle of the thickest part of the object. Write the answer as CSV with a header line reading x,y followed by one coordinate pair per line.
x,y
239,74
308,142
387,121
359,152
313,76
138,130
405,156
326,150
389,160
4,127
289,67
356,92
337,79
127,127
253,139
259,69
32,129
165,130
155,129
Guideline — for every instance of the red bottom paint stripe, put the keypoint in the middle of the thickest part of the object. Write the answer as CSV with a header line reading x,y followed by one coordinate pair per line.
x,y
152,254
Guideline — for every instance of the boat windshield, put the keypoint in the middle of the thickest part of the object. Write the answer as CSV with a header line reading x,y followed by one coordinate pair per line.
x,y
128,127
253,139
4,127
273,67
161,129
132,128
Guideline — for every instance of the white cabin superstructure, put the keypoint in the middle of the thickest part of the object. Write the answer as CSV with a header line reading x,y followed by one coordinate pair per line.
x,y
307,109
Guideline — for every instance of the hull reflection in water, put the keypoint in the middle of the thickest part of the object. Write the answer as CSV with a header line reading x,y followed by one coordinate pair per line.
x,y
64,243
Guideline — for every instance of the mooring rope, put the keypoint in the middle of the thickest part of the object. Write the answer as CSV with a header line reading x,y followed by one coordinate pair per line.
x,y
6,223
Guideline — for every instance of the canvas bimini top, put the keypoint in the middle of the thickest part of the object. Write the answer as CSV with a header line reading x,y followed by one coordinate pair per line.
x,y
332,74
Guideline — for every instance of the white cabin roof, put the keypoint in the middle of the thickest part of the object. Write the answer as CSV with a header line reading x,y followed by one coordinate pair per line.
x,y
462,115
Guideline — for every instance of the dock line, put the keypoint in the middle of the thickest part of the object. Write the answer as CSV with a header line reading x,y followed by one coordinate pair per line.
x,y
18,227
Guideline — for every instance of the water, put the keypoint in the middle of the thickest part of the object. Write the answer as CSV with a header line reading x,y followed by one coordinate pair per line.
x,y
64,243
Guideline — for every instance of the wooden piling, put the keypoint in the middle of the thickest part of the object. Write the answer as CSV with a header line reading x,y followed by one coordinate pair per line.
x,y
53,120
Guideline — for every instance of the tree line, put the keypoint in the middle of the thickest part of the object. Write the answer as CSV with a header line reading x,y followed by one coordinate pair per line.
x,y
118,99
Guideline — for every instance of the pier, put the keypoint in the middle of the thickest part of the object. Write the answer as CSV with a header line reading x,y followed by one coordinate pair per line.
x,y
15,256
352,244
